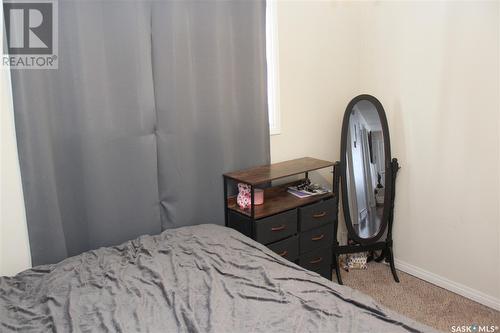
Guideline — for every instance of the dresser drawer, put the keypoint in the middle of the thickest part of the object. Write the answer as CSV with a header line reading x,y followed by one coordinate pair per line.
x,y
316,238
287,248
317,215
319,261
276,227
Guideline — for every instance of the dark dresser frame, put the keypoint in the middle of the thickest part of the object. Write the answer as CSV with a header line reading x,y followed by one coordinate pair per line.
x,y
301,230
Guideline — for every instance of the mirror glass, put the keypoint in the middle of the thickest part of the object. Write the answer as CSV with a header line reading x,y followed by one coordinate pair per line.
x,y
365,169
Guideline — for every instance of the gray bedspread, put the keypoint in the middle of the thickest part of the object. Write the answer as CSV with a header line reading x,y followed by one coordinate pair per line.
x,y
204,278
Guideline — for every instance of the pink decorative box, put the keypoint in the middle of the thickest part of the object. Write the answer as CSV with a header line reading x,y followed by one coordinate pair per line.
x,y
258,196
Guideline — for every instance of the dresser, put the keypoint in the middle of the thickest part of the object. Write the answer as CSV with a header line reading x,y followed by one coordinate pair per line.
x,y
301,230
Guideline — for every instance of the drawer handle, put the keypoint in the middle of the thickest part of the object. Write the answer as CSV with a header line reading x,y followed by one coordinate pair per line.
x,y
279,228
284,253
318,215
316,261
317,238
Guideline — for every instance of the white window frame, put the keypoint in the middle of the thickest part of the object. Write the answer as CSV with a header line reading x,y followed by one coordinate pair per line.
x,y
272,56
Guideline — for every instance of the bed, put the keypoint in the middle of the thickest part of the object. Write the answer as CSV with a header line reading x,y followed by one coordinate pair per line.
x,y
204,278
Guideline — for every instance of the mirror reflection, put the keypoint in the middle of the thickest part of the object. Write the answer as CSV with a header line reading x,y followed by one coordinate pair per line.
x,y
365,169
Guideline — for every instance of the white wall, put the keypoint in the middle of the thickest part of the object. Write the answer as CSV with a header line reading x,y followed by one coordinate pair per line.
x,y
316,58
14,246
434,65
435,68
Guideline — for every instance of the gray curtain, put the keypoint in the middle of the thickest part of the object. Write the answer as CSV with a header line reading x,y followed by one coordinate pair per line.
x,y
152,102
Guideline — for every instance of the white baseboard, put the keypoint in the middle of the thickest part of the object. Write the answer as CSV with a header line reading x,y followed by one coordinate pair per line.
x,y
455,287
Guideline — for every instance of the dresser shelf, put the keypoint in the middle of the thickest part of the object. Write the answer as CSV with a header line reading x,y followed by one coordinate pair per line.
x,y
276,200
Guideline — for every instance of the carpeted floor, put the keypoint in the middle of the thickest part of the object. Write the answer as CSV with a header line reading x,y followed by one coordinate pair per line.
x,y
418,299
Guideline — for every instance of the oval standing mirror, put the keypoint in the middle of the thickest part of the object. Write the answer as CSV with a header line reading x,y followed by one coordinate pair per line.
x,y
365,157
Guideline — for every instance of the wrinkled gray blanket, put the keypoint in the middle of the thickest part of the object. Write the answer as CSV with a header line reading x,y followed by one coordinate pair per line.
x,y
204,278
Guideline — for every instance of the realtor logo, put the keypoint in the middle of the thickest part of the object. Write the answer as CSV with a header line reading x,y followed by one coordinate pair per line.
x,y
30,40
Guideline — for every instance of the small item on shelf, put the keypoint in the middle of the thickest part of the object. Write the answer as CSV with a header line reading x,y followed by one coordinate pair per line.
x,y
258,196
306,189
244,198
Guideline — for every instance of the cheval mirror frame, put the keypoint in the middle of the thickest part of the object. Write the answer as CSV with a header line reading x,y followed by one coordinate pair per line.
x,y
372,243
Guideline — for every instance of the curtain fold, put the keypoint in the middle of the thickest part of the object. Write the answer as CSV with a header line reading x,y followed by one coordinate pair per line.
x,y
211,101
152,102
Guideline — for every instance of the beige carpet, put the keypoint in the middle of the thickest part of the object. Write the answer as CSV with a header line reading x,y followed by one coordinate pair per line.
x,y
418,299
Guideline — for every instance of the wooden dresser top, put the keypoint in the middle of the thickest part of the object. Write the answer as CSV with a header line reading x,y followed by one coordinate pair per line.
x,y
266,173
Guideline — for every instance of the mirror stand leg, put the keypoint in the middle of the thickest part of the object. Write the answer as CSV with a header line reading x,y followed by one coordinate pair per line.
x,y
390,256
381,257
337,269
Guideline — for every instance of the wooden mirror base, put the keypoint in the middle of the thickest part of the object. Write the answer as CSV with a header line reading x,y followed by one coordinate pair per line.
x,y
385,246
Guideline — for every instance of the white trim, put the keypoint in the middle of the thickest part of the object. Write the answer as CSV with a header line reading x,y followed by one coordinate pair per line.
x,y
445,283
272,57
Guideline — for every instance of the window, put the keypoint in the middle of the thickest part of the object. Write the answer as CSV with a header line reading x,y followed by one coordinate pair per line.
x,y
273,91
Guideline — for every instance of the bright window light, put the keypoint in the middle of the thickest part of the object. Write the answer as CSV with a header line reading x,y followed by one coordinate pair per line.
x,y
273,91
